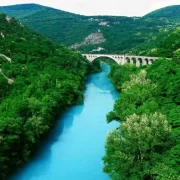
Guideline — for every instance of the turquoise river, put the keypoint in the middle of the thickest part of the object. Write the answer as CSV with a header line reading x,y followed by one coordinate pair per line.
x,y
75,147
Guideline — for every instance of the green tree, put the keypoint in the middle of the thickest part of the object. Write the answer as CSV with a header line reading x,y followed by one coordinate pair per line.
x,y
137,96
131,149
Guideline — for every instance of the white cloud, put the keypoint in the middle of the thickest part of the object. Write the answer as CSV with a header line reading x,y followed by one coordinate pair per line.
x,y
101,7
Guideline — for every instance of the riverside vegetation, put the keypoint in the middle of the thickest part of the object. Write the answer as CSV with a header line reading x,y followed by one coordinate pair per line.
x,y
46,79
147,143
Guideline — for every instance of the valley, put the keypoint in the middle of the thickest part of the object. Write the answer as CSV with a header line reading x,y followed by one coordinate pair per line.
x,y
89,97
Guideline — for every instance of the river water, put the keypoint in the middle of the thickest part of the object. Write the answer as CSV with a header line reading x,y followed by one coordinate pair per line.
x,y
75,148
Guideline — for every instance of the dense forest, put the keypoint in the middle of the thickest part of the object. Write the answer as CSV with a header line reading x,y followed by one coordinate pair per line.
x,y
38,80
146,145
100,34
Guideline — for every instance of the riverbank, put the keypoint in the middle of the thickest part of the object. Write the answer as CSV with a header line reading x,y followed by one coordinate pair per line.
x,y
146,145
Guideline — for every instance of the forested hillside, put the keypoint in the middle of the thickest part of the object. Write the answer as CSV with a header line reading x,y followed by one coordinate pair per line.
x,y
168,47
38,80
100,34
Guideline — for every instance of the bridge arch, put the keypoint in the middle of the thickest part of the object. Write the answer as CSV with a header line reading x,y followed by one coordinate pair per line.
x,y
106,57
146,61
150,61
140,61
133,60
117,58
128,60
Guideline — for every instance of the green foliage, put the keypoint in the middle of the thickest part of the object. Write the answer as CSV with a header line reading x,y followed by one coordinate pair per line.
x,y
169,47
134,97
120,74
4,87
146,144
166,74
48,78
132,148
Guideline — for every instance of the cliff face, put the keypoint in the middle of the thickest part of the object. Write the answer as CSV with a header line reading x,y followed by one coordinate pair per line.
x,y
91,39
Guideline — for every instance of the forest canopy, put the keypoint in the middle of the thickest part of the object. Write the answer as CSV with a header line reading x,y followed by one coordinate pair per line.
x,y
146,144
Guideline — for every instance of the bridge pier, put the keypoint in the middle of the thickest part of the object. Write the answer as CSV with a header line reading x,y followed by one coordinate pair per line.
x,y
149,61
137,63
123,61
131,61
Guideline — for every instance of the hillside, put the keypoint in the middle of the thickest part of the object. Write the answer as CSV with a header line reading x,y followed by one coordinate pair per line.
x,y
170,12
104,34
38,80
168,46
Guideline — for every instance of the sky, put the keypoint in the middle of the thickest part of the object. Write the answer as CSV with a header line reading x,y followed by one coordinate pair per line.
x,y
101,7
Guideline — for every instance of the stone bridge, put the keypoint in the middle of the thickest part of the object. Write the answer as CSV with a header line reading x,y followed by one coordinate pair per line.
x,y
123,59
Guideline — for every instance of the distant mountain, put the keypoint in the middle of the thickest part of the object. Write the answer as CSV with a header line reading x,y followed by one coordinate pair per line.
x,y
20,11
100,34
170,12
